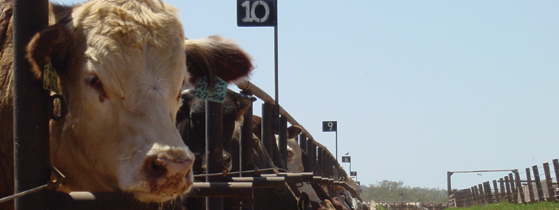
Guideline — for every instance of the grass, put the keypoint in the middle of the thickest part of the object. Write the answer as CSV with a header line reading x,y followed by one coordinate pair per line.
x,y
510,206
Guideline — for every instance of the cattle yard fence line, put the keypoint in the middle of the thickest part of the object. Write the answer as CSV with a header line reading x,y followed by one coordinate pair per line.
x,y
511,188
325,172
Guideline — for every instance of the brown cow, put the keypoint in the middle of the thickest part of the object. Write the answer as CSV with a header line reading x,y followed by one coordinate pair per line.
x,y
121,65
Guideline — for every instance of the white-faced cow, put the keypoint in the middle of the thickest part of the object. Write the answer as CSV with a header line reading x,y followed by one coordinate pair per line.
x,y
121,66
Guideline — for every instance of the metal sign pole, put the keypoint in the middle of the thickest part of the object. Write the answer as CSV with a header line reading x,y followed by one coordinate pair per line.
x,y
336,145
276,70
331,126
263,13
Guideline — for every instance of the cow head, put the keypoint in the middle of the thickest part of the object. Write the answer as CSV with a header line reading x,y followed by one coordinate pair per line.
x,y
191,122
121,65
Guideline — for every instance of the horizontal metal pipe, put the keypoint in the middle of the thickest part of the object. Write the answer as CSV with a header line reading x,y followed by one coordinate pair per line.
x,y
293,177
222,189
260,182
95,200
122,201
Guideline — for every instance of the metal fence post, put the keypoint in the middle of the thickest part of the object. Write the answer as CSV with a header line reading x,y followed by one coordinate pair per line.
x,y
214,147
247,143
31,129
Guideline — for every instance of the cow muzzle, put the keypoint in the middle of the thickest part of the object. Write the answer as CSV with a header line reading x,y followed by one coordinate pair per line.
x,y
168,177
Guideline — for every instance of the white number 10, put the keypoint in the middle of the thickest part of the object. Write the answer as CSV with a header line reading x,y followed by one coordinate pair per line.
x,y
250,14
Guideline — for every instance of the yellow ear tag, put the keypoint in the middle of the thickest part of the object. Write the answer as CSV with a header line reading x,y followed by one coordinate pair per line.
x,y
50,78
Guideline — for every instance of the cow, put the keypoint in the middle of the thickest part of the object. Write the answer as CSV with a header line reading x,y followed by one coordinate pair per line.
x,y
295,161
191,126
121,66
191,123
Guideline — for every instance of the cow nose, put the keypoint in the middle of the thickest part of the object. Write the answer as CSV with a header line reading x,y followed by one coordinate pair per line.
x,y
167,175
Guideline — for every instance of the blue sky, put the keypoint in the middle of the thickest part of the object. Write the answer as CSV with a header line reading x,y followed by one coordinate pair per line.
x,y
418,88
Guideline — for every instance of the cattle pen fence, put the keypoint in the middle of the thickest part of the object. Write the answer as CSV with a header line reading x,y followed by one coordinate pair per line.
x,y
512,188
320,176
33,190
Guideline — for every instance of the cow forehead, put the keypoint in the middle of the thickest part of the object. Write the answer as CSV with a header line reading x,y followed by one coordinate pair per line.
x,y
132,42
111,26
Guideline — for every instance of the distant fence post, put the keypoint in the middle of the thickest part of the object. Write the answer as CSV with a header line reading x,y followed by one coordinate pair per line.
x,y
519,187
538,183
474,195
503,192
513,189
481,194
497,197
507,186
487,189
530,187
556,168
548,182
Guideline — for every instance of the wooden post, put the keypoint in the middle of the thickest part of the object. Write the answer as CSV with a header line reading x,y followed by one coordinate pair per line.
x,y
487,189
507,186
481,196
459,198
496,196
503,192
476,195
538,183
469,198
530,188
556,168
513,189
519,187
548,182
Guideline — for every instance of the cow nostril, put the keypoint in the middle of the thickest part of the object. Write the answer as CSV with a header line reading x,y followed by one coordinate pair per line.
x,y
155,167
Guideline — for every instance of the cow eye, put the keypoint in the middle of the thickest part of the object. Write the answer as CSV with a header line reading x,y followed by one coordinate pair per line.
x,y
94,82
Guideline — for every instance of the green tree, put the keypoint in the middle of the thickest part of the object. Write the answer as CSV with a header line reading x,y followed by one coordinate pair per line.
x,y
391,191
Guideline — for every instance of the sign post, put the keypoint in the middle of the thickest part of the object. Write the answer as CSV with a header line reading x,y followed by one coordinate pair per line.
x,y
331,126
262,13
347,159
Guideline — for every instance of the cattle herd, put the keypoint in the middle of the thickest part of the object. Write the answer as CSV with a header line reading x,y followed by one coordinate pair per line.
x,y
126,73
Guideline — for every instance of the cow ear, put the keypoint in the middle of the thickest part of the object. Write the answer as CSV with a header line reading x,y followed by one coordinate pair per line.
x,y
242,103
53,45
293,131
215,56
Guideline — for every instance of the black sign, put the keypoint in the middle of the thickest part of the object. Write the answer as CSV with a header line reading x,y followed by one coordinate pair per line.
x,y
346,159
353,173
256,13
329,126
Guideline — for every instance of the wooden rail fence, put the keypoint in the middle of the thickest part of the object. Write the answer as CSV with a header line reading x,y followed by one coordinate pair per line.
x,y
511,188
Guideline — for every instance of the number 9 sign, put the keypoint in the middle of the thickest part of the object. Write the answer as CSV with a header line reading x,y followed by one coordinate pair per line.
x,y
256,13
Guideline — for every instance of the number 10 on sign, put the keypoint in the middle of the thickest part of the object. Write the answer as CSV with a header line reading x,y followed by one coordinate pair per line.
x,y
256,13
